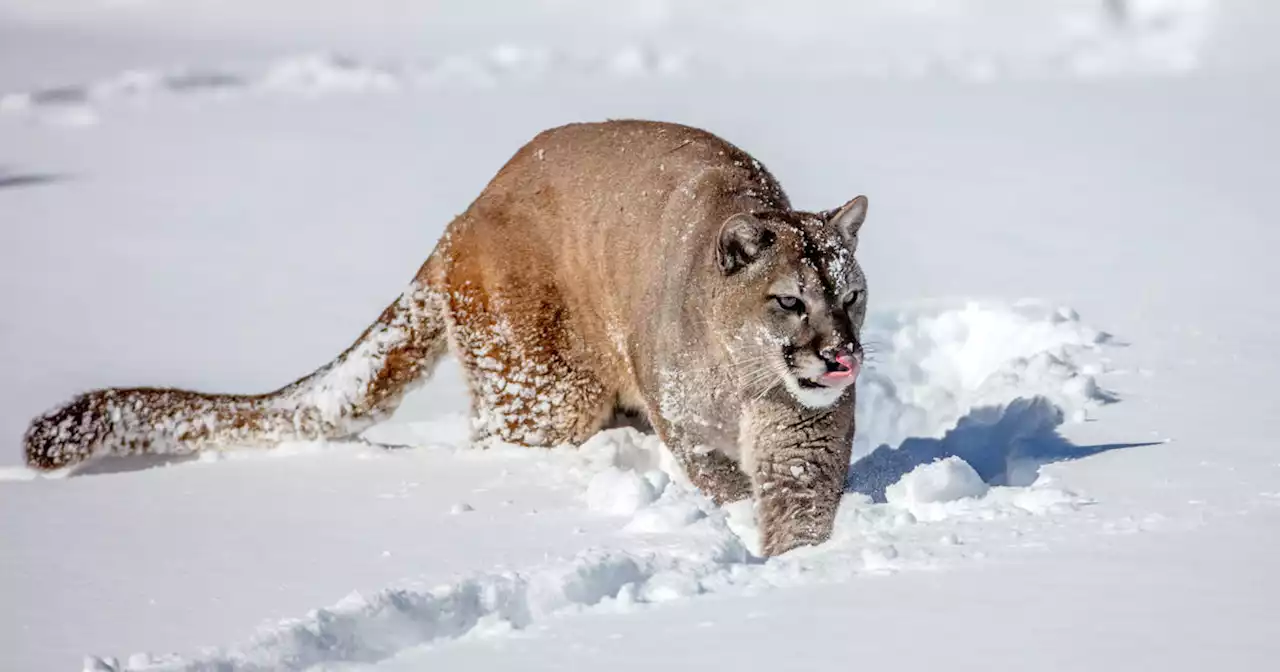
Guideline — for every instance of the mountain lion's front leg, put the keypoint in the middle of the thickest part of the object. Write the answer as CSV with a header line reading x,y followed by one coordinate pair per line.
x,y
797,459
715,474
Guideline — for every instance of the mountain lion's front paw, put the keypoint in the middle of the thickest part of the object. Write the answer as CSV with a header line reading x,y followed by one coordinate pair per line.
x,y
797,506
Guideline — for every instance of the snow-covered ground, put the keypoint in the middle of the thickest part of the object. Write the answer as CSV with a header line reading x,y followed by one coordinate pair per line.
x,y
1064,456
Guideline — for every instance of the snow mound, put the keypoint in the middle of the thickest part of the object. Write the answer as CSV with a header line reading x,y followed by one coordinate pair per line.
x,y
667,517
619,492
951,489
946,480
930,367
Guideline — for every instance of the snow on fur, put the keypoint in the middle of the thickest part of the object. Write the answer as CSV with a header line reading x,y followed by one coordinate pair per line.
x,y
339,400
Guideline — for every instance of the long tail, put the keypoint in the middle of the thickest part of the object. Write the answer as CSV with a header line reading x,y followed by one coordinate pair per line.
x,y
360,387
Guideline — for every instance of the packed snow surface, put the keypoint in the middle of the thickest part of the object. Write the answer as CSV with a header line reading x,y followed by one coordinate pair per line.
x,y
1063,457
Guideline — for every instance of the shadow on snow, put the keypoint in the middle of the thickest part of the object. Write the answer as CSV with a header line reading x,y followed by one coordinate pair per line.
x,y
9,179
1006,445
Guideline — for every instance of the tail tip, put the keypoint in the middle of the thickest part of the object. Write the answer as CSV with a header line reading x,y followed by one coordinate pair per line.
x,y
65,436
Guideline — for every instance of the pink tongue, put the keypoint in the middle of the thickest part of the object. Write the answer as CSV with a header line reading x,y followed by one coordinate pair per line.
x,y
852,367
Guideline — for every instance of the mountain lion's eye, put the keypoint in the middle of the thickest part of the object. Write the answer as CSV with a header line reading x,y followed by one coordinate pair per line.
x,y
853,299
790,303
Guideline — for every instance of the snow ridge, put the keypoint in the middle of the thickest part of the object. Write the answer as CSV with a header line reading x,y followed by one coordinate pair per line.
x,y
323,73
1106,39
365,629
710,557
675,545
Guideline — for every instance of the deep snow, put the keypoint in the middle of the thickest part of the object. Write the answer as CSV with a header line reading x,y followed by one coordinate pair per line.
x,y
222,197
672,544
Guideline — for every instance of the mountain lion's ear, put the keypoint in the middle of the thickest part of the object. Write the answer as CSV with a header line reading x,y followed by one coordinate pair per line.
x,y
848,219
742,239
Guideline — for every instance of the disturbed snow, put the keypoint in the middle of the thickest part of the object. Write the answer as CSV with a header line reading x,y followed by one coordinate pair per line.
x,y
1008,374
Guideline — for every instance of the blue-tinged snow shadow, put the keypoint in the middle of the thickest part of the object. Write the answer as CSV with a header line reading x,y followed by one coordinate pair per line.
x,y
10,179
1006,445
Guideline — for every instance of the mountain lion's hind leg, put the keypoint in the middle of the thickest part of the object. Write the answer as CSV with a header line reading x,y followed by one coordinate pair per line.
x,y
526,388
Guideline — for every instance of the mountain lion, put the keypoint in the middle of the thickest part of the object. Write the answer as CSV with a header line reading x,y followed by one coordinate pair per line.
x,y
608,269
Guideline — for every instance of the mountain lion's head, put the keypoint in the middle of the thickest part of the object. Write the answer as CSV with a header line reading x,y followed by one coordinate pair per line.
x,y
792,301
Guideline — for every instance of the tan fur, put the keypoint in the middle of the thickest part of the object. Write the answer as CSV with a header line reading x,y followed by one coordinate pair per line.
x,y
615,267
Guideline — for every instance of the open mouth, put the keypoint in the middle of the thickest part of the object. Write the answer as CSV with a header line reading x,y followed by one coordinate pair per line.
x,y
822,390
827,381
840,375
